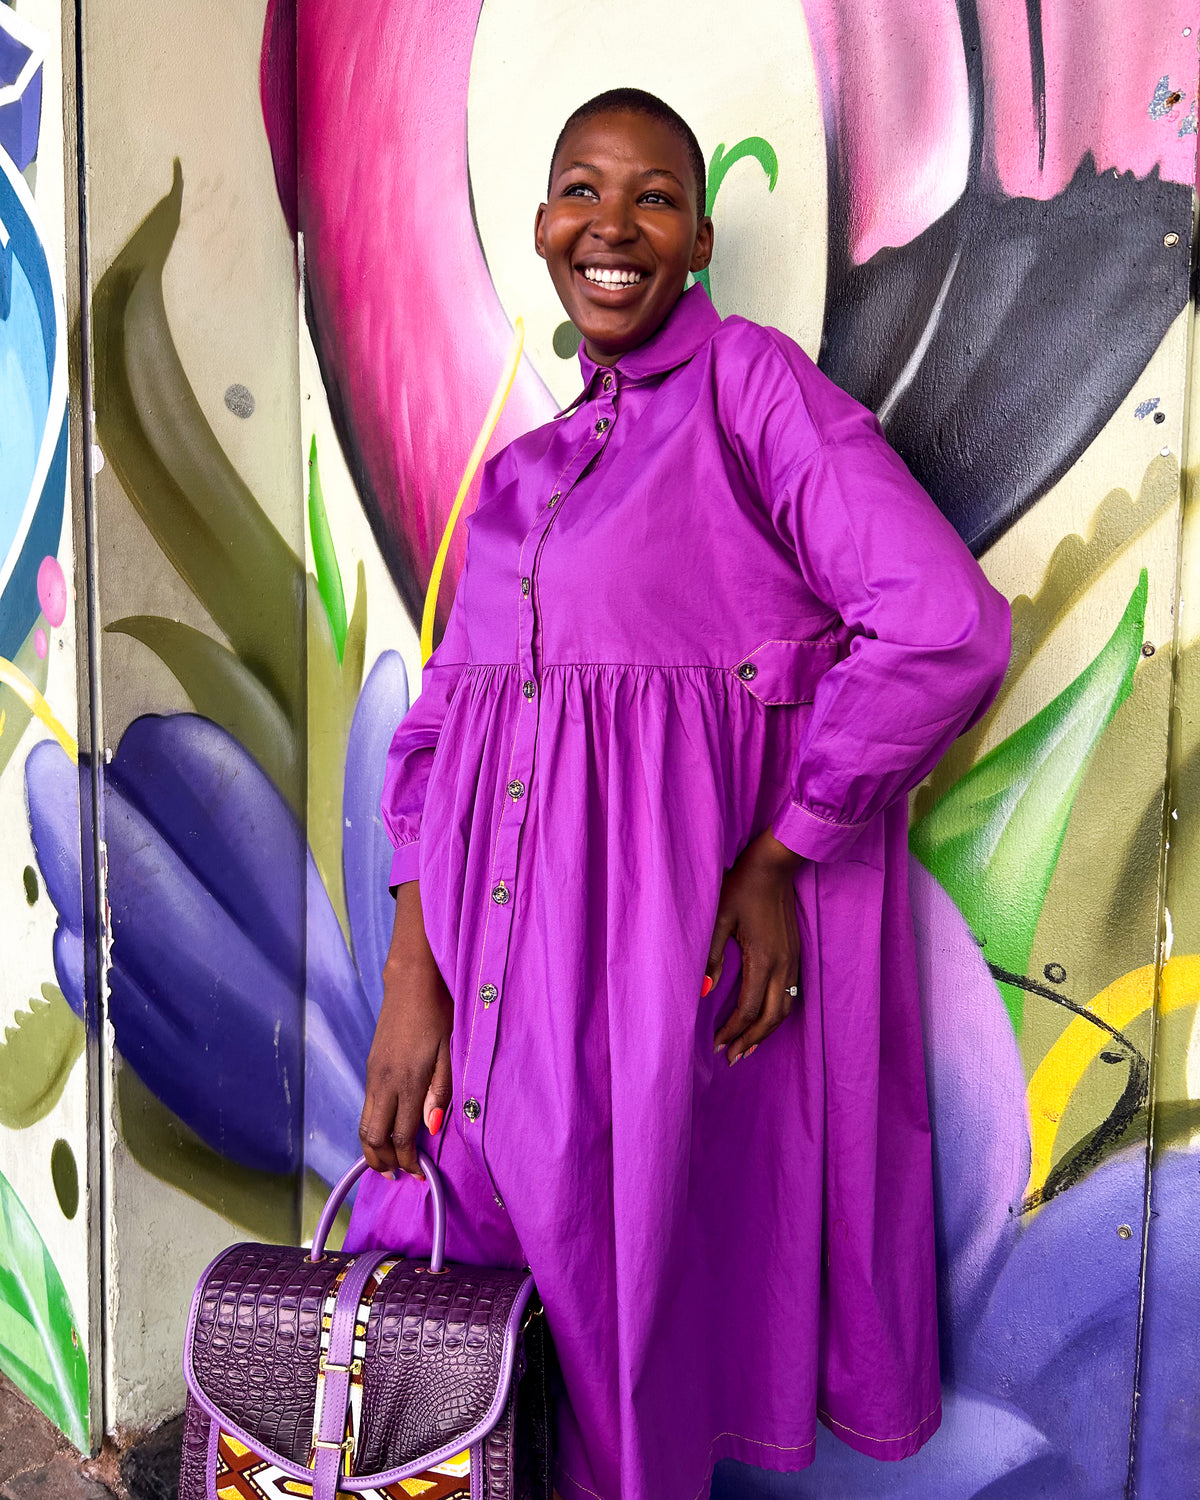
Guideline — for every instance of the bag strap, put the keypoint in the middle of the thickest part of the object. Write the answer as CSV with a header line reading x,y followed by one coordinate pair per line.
x,y
346,1182
331,1443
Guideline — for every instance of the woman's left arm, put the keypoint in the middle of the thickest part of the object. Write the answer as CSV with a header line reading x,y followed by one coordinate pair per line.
x,y
929,649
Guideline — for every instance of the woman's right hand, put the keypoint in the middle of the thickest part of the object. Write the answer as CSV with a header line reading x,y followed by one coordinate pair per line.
x,y
408,1070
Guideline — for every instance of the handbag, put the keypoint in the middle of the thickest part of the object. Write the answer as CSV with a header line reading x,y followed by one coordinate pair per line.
x,y
375,1375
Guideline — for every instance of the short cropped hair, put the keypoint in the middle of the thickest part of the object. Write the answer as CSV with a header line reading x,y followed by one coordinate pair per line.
x,y
639,102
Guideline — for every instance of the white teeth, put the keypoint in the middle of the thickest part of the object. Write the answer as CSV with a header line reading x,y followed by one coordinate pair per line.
x,y
607,277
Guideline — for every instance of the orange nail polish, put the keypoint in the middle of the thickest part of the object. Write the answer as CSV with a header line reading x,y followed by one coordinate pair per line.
x,y
750,1051
705,987
436,1116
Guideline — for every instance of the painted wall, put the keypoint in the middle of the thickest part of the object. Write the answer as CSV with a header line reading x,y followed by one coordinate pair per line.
x,y
46,1295
979,219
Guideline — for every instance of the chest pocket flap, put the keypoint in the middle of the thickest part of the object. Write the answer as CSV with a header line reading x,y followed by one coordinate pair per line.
x,y
780,672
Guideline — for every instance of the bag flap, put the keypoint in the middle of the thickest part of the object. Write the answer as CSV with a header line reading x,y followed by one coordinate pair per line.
x,y
780,672
437,1367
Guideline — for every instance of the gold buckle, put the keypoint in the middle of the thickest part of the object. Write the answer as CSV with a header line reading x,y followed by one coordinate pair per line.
x,y
325,1366
346,1445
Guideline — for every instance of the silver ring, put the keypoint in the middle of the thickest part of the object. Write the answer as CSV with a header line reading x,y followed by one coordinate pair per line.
x,y
793,989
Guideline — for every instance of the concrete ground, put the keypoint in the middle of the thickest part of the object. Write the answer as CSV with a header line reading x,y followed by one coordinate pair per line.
x,y
37,1462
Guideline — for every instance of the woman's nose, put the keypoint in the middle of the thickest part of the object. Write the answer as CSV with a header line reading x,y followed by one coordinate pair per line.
x,y
613,221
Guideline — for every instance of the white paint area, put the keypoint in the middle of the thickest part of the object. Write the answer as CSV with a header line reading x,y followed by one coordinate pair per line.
x,y
729,75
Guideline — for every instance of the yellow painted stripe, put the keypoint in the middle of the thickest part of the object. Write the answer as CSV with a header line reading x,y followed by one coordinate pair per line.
x,y
12,676
502,392
1060,1072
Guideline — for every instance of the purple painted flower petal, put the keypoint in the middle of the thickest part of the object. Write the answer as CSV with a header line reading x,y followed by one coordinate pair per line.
x,y
68,967
978,1441
209,1023
1169,1393
226,823
977,1102
52,797
1058,1336
367,851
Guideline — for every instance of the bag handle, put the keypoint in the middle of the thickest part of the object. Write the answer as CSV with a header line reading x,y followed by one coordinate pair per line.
x,y
346,1182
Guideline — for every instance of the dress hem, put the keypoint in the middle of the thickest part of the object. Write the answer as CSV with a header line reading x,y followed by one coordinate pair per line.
x,y
781,1458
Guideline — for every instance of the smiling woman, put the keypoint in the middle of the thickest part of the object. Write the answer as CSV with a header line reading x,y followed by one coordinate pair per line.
x,y
635,812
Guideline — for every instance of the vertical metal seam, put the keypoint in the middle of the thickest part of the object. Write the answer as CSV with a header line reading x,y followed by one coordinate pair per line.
x,y
1161,908
95,995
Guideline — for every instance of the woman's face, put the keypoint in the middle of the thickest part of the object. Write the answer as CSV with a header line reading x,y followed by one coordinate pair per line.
x,y
620,231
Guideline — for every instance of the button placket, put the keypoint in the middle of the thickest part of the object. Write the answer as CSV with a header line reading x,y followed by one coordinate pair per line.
x,y
505,886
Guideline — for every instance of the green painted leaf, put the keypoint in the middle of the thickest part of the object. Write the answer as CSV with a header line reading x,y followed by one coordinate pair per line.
x,y
994,838
40,1348
753,146
224,689
332,695
36,1057
179,478
329,575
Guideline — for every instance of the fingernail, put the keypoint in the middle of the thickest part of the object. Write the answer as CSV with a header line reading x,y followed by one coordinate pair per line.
x,y
705,986
391,1176
436,1116
750,1051
719,1048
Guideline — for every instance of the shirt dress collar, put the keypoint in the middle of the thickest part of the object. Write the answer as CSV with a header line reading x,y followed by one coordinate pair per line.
x,y
688,327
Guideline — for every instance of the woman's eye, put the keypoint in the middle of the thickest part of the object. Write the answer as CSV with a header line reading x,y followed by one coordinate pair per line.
x,y
578,190
655,197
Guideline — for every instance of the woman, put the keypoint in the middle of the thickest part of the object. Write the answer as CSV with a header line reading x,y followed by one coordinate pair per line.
x,y
650,823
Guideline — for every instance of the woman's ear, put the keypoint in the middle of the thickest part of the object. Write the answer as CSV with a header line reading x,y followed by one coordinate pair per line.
x,y
539,238
703,248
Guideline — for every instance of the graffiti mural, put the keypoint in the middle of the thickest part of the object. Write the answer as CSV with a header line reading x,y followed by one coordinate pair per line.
x,y
977,217
44,1301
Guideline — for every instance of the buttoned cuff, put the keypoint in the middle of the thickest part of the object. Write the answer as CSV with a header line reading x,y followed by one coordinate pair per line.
x,y
813,837
405,864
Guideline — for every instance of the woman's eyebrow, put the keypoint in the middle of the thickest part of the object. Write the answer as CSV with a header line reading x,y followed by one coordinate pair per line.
x,y
661,172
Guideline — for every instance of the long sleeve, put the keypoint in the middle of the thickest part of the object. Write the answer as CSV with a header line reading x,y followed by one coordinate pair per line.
x,y
410,755
928,636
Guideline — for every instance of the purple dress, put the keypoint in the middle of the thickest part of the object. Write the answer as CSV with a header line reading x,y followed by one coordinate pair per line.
x,y
706,600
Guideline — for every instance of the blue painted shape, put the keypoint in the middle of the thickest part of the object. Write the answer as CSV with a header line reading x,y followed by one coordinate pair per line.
x,y
20,93
24,400
6,261
33,413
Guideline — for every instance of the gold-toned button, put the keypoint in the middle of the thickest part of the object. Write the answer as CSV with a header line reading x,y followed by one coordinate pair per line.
x,y
747,671
500,893
557,495
516,789
529,688
525,587
601,426
487,993
472,1109
608,382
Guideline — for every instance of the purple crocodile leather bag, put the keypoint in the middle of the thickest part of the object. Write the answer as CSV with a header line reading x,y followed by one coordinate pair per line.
x,y
376,1375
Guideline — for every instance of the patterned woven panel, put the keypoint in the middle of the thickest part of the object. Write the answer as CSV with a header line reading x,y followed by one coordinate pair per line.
x,y
241,1474
257,1339
434,1351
